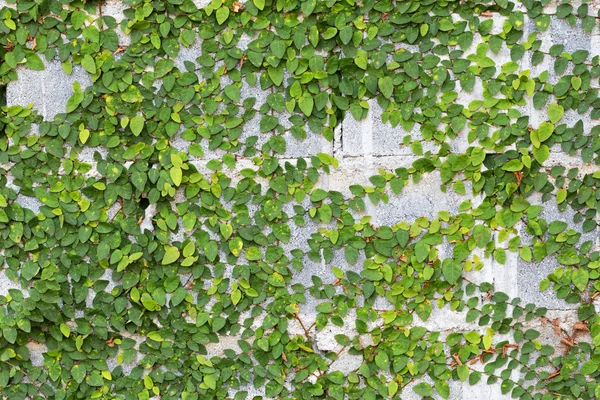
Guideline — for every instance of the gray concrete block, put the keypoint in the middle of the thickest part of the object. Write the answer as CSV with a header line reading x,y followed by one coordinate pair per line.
x,y
49,90
36,353
423,199
6,284
560,32
188,54
31,203
346,363
456,390
531,273
5,3
201,3
307,147
225,343
115,8
373,137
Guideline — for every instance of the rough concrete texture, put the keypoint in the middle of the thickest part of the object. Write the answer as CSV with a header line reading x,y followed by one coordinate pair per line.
x,y
49,90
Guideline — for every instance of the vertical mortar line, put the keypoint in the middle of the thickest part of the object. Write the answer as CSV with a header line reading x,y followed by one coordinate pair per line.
x,y
526,64
43,87
338,133
367,150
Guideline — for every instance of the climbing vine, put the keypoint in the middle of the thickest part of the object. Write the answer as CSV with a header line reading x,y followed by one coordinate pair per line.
x,y
191,226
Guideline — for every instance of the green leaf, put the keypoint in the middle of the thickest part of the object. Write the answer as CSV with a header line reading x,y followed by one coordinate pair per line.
x,y
555,112
9,333
541,154
171,255
423,389
176,175
272,209
568,257
443,389
235,246
306,103
253,254
222,14
260,4
545,131
580,278
29,270
226,230
452,270
513,165
276,280
463,372
386,86
137,124
139,180
34,62
65,330
78,372
88,63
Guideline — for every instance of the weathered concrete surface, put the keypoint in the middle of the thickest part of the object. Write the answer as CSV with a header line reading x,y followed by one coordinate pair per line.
x,y
49,90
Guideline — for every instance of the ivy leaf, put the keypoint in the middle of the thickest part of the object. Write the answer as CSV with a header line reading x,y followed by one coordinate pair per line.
x,y
139,180
88,63
463,372
276,280
513,165
10,334
29,270
452,270
541,154
171,255
306,103
272,209
34,62
580,278
226,230
211,250
392,388
555,112
176,175
545,131
443,389
423,389
78,372
222,14
235,246
137,124
253,254
260,4
568,257
386,86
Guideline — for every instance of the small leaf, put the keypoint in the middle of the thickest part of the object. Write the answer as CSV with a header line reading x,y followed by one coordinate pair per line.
x,y
78,372
555,112
171,255
222,14
386,86
34,62
306,103
88,64
137,124
452,270
260,4
580,278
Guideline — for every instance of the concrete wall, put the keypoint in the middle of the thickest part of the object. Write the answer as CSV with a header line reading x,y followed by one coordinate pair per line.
x,y
362,148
